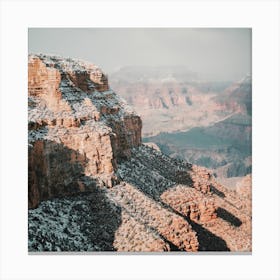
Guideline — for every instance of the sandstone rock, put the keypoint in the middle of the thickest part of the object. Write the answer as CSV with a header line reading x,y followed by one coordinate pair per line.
x,y
83,138
132,236
145,212
220,217
172,227
75,123
201,179
191,203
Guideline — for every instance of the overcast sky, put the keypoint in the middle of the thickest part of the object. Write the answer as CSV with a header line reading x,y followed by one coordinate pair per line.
x,y
214,53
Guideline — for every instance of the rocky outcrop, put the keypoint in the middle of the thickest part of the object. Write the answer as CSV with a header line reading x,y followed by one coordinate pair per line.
x,y
168,225
147,211
220,217
201,179
190,203
75,122
94,187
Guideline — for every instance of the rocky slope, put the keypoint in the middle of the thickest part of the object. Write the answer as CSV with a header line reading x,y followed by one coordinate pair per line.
x,y
170,98
94,187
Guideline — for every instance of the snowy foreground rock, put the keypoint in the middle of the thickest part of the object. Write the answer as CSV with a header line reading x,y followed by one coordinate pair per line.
x,y
94,187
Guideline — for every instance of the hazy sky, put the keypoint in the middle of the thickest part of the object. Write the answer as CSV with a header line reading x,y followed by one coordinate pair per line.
x,y
215,53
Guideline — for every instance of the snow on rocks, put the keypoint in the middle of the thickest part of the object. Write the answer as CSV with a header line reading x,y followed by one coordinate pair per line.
x,y
112,193
71,105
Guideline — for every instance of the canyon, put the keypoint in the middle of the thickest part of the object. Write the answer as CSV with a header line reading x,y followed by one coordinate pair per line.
x,y
208,123
93,185
173,97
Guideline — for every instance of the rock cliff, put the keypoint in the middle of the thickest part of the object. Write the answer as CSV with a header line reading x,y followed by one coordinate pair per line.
x,y
94,187
75,122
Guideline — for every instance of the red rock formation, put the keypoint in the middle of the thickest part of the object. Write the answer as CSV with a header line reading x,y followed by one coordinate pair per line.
x,y
191,203
220,217
201,179
169,225
42,80
83,136
74,120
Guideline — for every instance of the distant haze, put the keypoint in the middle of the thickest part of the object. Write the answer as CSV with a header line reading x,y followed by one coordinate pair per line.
x,y
214,53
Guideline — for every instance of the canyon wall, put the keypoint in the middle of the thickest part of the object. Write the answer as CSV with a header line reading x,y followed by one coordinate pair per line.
x,y
83,139
203,122
77,127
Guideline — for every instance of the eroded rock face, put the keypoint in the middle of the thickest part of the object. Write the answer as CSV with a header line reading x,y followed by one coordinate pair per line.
x,y
220,217
75,123
190,203
147,211
101,190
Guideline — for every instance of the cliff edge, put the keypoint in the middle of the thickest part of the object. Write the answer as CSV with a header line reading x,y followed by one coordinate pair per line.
x,y
94,187
75,122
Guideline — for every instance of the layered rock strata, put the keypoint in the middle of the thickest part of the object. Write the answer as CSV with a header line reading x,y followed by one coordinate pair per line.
x,y
220,216
75,122
148,211
94,187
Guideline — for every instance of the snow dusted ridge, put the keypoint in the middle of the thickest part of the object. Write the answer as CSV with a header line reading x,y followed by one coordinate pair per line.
x,y
74,119
66,63
82,86
81,94
160,204
92,186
